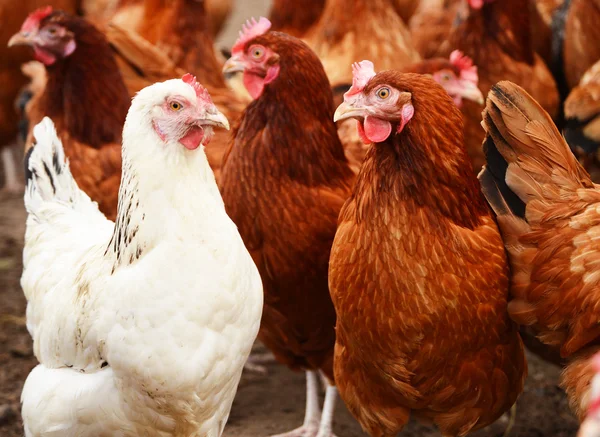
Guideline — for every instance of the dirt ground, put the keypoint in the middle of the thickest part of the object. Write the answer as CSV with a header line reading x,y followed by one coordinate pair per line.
x,y
264,405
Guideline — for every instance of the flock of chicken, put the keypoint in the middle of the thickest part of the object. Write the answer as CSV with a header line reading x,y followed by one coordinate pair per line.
x,y
358,243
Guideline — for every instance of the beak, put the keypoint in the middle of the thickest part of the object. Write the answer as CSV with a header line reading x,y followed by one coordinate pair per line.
x,y
215,118
471,92
233,65
347,110
20,39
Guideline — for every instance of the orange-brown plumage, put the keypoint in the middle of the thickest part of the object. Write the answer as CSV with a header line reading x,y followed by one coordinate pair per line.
x,y
283,182
419,280
547,208
295,17
87,100
349,32
581,47
498,39
582,115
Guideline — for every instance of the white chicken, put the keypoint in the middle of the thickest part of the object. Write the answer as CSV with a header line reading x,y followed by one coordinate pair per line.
x,y
141,327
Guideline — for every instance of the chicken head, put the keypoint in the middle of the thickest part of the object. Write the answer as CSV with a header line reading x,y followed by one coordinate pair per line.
x,y
376,105
46,33
181,113
259,63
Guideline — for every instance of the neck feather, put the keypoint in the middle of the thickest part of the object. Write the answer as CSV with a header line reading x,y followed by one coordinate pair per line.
x,y
166,190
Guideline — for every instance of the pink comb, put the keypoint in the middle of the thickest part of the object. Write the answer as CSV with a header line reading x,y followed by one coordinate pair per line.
x,y
468,71
250,30
362,73
201,92
33,20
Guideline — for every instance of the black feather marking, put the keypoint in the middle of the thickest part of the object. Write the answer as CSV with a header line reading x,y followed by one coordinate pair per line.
x,y
497,167
23,99
23,127
28,173
47,170
56,164
559,20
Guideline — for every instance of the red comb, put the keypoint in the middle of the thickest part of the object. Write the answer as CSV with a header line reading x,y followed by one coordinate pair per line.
x,y
33,20
250,30
362,73
468,71
201,92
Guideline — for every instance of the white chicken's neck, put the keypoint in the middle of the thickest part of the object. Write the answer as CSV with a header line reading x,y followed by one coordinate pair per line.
x,y
166,192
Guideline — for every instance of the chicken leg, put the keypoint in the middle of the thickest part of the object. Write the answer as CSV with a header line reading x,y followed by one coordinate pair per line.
x,y
11,181
315,424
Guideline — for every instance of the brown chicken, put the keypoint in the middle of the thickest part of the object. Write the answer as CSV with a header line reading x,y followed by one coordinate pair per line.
x,y
85,97
283,182
179,28
350,31
295,17
581,47
496,36
431,25
547,210
12,80
418,273
582,114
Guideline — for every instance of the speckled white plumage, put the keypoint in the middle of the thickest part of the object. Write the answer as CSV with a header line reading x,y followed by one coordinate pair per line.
x,y
143,327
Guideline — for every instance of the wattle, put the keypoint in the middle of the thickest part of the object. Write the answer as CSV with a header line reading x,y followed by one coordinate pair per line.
x,y
193,138
254,84
377,130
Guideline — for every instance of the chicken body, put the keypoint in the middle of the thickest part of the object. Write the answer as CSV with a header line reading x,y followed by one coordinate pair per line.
x,y
582,114
295,17
418,273
142,326
340,38
283,182
581,47
547,208
497,38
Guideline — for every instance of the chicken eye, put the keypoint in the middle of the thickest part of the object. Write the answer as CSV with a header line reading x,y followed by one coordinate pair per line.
x,y
176,106
51,30
257,52
446,77
383,93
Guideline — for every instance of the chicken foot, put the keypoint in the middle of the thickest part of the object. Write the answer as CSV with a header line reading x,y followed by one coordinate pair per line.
x,y
316,424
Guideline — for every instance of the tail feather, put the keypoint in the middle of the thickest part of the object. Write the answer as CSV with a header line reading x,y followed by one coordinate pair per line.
x,y
48,176
527,158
